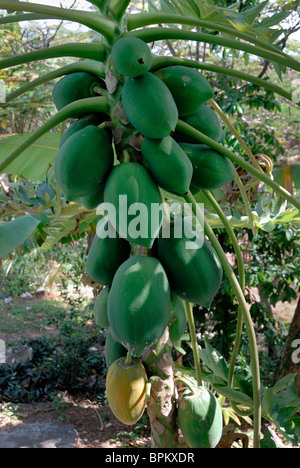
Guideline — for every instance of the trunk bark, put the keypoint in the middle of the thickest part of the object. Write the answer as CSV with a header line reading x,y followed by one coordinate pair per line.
x,y
161,408
289,362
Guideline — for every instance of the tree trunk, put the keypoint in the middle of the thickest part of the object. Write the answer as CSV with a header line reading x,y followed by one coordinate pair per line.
x,y
161,408
289,362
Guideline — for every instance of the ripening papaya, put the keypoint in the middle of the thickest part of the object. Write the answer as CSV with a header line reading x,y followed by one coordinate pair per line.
x,y
83,122
168,164
84,162
100,308
75,86
200,418
189,88
91,202
135,196
107,253
138,305
210,168
131,56
113,350
192,265
149,106
126,390
206,121
177,322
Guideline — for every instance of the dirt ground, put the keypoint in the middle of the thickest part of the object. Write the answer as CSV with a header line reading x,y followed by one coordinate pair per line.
x,y
95,425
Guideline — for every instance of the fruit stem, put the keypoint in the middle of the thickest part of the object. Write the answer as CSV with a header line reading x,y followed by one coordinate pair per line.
x,y
186,383
128,360
161,62
246,316
191,131
157,34
239,257
193,336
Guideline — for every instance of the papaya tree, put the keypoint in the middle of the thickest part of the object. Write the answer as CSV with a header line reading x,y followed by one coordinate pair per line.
x,y
145,147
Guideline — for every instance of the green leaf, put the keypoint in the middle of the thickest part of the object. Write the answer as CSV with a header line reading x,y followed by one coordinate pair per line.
x,y
34,162
56,230
235,395
217,362
15,233
268,441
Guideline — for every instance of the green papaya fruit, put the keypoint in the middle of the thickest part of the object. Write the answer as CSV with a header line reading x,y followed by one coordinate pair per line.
x,y
100,308
192,265
106,255
113,350
138,305
189,88
200,418
84,162
131,56
83,122
210,168
168,164
177,321
91,202
149,106
130,184
75,86
206,121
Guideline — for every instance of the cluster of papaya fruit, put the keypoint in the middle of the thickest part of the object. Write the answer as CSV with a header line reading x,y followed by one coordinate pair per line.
x,y
143,294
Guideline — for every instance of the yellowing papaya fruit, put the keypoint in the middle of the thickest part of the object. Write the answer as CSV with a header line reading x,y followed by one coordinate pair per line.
x,y
138,305
130,184
100,309
168,164
75,86
177,322
200,418
149,106
211,169
195,273
84,162
206,121
189,88
113,350
106,255
131,56
83,122
126,390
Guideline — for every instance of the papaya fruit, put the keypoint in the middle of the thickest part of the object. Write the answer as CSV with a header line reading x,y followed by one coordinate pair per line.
x,y
194,273
100,308
91,202
106,255
149,106
131,56
210,168
168,164
84,162
126,390
189,88
75,86
113,350
206,121
83,122
200,418
128,184
138,306
177,322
